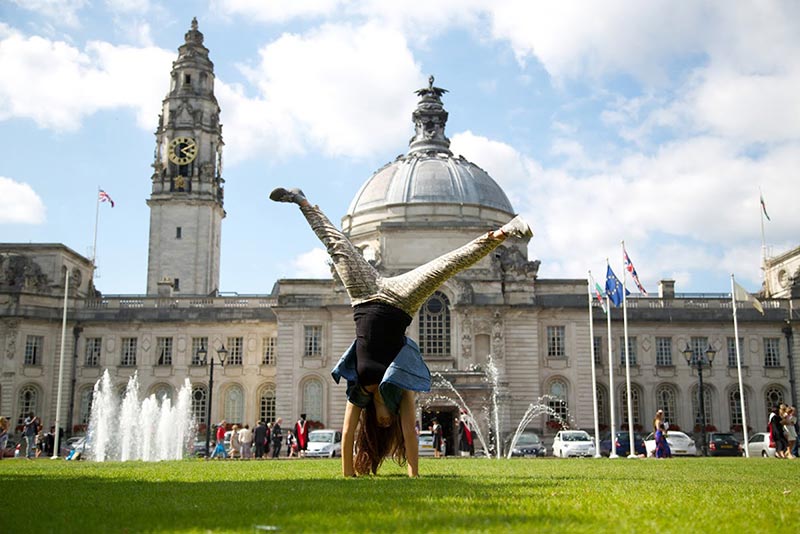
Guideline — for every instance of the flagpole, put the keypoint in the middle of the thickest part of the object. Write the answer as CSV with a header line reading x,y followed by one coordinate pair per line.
x,y
96,220
613,453
594,374
739,368
632,450
61,367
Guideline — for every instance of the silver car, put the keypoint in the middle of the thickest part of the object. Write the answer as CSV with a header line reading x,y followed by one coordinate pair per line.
x,y
324,443
679,444
573,443
759,446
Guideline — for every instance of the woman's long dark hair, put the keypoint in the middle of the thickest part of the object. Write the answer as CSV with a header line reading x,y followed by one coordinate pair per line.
x,y
374,443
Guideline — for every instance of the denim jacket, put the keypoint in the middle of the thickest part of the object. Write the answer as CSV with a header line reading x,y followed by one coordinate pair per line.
x,y
407,371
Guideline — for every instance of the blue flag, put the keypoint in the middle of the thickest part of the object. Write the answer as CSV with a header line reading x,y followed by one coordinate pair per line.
x,y
614,287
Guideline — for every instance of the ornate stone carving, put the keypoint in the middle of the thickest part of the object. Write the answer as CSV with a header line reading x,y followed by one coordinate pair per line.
x,y
462,290
11,328
466,335
498,341
511,262
21,273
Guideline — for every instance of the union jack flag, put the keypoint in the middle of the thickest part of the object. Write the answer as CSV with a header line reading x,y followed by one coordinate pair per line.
x,y
632,270
104,197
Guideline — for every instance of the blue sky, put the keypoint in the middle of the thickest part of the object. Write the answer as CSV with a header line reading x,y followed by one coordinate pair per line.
x,y
653,122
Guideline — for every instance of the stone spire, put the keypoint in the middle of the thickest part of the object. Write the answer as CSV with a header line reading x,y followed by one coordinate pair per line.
x,y
430,118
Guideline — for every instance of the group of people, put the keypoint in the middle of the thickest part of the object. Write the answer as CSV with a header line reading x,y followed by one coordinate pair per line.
x,y
783,430
37,441
264,440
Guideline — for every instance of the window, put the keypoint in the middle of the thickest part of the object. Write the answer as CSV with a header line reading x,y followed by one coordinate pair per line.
x,y
33,350
234,405
164,350
735,406
93,348
197,343
269,344
557,402
665,400
312,341
235,345
556,342
434,326
266,404
176,284
664,351
312,399
128,357
86,398
635,405
199,404
706,404
178,231
187,79
631,350
732,351
598,350
774,396
772,352
163,391
28,403
602,405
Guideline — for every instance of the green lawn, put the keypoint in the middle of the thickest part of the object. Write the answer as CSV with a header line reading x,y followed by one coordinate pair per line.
x,y
453,495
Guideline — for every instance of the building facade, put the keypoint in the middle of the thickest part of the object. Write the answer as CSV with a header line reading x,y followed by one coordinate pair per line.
x,y
280,347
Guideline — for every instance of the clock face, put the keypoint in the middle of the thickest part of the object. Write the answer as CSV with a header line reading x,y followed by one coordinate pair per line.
x,y
182,150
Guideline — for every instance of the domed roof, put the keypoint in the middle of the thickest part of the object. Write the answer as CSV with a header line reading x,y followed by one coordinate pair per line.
x,y
429,174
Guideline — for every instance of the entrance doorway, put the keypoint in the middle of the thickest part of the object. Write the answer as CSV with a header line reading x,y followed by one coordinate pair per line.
x,y
448,418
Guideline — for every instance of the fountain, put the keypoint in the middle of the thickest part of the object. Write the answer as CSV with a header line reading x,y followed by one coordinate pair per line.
x,y
150,430
491,416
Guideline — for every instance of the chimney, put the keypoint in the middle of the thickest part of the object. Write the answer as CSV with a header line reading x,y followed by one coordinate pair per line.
x,y
666,289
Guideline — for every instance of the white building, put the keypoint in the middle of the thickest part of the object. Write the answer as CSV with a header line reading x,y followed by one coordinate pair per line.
x,y
280,347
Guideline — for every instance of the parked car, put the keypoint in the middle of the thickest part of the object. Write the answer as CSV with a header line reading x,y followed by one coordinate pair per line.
x,y
199,447
679,444
759,445
573,443
528,444
425,441
622,441
723,444
327,443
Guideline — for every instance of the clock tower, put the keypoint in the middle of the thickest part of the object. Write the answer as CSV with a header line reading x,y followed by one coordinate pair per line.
x,y
186,202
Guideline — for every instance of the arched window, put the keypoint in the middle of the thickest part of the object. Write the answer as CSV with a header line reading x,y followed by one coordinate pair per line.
x,y
266,404
434,326
312,399
706,405
636,404
603,413
665,400
85,409
28,402
234,404
199,404
774,396
557,395
735,406
162,391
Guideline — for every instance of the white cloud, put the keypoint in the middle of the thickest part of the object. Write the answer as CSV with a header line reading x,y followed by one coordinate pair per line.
x,y
340,89
312,264
62,11
19,203
278,12
128,6
56,85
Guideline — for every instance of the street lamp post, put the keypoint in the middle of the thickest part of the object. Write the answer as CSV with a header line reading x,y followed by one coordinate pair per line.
x,y
202,355
698,361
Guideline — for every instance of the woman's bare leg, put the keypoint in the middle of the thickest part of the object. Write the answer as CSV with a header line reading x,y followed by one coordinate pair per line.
x,y
408,418
351,415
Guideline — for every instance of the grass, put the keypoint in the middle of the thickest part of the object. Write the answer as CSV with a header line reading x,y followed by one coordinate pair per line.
x,y
453,495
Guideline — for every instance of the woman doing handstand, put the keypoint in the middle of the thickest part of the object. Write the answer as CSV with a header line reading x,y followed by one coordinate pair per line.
x,y
383,367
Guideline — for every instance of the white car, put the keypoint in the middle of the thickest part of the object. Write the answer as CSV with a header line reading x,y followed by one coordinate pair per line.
x,y
324,443
679,444
759,446
573,443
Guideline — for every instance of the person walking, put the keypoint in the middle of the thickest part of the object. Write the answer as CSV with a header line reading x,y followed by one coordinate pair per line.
x,y
464,436
776,436
277,437
437,439
235,451
383,368
301,433
260,439
246,442
219,448
3,436
789,430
